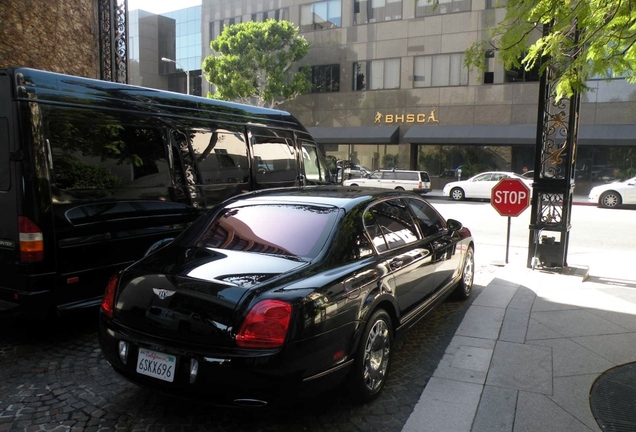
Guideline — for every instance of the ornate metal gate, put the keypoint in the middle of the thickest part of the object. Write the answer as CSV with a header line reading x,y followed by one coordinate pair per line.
x,y
113,40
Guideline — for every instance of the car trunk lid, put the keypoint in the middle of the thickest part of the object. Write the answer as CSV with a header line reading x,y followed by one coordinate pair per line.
x,y
195,300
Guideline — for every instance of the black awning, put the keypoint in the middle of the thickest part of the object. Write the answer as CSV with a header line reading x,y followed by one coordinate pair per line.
x,y
356,134
607,135
599,135
465,134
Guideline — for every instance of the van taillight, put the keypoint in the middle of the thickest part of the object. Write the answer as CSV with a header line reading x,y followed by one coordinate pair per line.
x,y
108,302
266,325
419,185
31,241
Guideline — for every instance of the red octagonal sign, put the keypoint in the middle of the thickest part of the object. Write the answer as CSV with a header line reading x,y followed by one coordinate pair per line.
x,y
510,197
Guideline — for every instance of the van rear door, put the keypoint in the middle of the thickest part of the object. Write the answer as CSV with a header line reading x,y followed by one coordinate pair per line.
x,y
9,239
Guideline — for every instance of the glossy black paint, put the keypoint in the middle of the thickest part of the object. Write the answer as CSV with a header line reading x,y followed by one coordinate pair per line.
x,y
333,295
90,231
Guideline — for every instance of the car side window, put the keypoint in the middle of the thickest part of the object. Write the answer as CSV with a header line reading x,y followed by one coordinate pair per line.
x,y
393,226
429,220
389,175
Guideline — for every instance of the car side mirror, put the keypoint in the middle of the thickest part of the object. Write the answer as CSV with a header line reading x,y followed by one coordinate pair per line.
x,y
454,225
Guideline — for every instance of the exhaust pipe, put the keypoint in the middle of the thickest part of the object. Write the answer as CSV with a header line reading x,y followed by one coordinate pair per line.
x,y
250,403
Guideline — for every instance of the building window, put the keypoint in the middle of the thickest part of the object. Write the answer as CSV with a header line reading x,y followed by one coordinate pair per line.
x,y
277,14
440,70
370,11
424,8
325,79
216,27
520,74
321,15
376,75
492,4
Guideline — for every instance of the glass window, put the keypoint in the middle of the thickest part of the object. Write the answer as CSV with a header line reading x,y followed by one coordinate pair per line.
x,y
370,11
376,75
520,74
272,229
5,179
440,70
429,220
274,157
321,15
325,79
393,225
216,28
314,168
426,8
221,156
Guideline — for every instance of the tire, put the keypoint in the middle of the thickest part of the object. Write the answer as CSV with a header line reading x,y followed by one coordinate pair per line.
x,y
373,358
457,194
353,185
610,199
465,286
399,188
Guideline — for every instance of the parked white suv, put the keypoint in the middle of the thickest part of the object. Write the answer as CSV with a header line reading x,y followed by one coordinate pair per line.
x,y
416,181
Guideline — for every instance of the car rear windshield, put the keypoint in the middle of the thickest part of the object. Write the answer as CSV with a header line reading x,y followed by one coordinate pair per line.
x,y
281,229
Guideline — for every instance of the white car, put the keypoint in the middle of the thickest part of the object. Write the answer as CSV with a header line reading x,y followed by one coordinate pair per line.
x,y
614,194
479,186
416,181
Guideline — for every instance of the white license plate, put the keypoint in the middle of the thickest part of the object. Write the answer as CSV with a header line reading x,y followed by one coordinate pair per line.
x,y
156,364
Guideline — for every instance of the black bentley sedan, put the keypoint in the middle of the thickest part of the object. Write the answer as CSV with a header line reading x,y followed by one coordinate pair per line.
x,y
281,293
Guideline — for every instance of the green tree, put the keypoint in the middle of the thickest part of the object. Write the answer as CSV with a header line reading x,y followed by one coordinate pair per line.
x,y
606,46
252,63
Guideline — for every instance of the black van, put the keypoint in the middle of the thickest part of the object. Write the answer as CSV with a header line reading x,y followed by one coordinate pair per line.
x,y
92,173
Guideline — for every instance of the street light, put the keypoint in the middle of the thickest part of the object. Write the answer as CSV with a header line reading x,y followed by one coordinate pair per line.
x,y
167,60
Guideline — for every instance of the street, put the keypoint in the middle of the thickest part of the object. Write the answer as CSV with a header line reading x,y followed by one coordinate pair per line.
x,y
610,230
54,377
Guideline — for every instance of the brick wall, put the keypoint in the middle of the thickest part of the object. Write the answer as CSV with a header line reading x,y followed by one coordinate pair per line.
x,y
55,35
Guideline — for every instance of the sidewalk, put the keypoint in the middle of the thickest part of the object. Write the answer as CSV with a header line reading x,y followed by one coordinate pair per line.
x,y
528,352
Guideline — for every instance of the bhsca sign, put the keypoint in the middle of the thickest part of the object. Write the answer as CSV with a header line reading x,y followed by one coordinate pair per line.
x,y
405,118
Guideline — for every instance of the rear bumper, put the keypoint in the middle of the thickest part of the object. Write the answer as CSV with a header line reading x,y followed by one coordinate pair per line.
x,y
29,304
422,190
225,379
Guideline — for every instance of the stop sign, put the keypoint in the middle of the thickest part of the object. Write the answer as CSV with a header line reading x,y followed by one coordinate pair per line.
x,y
510,197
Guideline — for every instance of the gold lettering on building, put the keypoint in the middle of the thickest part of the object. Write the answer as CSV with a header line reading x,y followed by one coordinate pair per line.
x,y
406,118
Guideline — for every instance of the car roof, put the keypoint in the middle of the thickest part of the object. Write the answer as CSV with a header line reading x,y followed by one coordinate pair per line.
x,y
345,197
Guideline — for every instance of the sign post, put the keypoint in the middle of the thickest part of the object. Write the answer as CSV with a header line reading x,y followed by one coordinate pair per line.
x,y
510,197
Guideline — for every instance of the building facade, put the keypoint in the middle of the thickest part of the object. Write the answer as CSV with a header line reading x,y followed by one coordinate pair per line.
x,y
173,36
55,35
390,89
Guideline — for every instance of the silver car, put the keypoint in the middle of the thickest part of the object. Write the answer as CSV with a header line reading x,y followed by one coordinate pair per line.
x,y
416,181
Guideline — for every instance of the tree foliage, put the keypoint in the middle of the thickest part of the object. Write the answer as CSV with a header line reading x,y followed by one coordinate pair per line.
x,y
252,63
605,46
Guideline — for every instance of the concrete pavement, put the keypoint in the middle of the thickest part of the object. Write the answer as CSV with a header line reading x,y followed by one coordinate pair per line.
x,y
530,349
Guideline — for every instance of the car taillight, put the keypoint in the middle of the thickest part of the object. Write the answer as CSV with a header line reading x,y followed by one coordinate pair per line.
x,y
31,240
419,185
108,302
266,325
